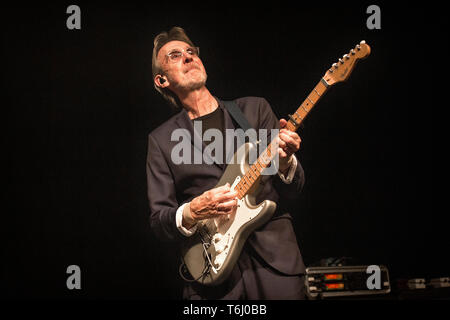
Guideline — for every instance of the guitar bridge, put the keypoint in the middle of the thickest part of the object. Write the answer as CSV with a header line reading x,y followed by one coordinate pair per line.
x,y
208,257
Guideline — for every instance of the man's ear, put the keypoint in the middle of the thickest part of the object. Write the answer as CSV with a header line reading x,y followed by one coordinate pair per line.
x,y
161,81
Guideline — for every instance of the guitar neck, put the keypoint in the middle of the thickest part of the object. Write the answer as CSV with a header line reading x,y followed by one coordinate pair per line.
x,y
338,72
268,154
311,100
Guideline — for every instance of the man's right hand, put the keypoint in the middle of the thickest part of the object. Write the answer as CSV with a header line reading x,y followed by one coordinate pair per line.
x,y
218,201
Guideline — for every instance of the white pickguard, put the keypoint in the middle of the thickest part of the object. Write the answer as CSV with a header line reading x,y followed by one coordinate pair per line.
x,y
228,226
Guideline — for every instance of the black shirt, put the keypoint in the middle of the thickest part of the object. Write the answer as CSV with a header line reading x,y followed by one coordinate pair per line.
x,y
213,120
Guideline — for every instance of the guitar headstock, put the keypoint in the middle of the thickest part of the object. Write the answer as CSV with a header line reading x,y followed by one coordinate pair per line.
x,y
341,70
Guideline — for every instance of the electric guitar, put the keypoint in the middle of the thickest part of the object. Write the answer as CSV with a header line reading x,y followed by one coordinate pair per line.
x,y
211,253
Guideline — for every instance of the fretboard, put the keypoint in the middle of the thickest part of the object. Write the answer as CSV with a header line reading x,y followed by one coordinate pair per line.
x,y
268,154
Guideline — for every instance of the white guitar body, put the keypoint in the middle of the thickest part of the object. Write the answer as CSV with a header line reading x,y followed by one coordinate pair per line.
x,y
211,253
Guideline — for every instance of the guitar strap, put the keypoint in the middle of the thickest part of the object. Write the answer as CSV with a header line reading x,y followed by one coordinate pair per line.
x,y
237,114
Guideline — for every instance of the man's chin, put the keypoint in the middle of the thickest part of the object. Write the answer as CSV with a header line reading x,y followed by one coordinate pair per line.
x,y
194,85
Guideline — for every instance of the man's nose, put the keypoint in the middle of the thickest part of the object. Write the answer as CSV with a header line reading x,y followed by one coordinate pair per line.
x,y
187,57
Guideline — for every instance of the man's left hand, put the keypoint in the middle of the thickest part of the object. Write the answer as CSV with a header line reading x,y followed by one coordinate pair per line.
x,y
288,144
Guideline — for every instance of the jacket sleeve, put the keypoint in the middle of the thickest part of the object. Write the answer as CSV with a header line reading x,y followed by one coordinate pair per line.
x,y
291,191
161,194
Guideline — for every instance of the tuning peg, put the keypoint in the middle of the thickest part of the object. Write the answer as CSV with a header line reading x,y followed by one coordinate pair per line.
x,y
341,61
363,42
358,47
346,56
352,52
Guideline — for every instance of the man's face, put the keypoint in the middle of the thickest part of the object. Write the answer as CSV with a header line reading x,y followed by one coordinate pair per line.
x,y
187,72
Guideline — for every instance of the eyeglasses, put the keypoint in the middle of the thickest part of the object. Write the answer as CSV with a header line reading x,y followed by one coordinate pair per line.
x,y
175,55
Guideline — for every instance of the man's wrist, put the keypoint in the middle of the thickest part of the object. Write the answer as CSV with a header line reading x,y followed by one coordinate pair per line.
x,y
188,222
285,171
290,172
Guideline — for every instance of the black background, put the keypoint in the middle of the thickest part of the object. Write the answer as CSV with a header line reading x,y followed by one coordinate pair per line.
x,y
79,104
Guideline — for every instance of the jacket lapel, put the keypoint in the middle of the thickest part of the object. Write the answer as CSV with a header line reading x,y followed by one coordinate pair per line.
x,y
228,142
